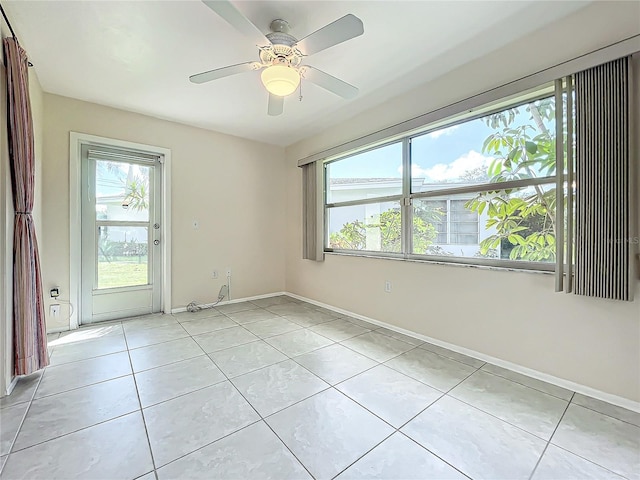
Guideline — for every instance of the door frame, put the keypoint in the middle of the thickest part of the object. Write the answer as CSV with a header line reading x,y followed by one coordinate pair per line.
x,y
76,142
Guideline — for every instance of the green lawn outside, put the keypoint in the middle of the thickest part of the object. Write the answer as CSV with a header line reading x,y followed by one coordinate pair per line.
x,y
122,272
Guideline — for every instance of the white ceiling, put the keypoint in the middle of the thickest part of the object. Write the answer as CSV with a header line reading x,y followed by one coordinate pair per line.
x,y
138,55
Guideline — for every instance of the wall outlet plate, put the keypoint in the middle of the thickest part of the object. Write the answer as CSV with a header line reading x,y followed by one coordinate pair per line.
x,y
54,310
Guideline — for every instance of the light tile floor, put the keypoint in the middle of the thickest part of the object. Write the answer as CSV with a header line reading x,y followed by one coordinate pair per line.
x,y
280,389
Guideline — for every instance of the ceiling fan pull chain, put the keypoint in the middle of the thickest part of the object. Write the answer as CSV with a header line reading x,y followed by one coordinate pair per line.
x,y
300,87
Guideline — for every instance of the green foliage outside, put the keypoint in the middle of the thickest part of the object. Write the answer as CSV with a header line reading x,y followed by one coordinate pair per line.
x,y
353,235
524,224
523,221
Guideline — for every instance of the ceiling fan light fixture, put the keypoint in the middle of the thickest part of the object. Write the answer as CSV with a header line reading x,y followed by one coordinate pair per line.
x,y
280,80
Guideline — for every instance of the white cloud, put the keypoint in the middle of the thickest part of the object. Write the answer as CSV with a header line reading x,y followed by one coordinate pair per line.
x,y
443,131
442,172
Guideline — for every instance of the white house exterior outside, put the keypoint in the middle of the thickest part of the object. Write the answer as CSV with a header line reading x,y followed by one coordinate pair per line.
x,y
460,231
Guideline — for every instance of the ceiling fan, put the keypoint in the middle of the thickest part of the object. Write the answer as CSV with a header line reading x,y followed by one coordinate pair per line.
x,y
281,55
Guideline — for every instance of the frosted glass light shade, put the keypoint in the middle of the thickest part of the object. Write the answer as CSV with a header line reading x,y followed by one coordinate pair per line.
x,y
280,80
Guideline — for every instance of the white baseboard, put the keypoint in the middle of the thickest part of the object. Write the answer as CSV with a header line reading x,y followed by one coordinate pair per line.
x,y
228,302
545,377
12,385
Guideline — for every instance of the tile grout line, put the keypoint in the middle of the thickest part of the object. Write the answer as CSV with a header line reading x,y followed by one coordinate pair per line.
x,y
529,386
364,454
24,416
76,431
224,436
571,402
331,386
549,441
447,394
590,461
259,416
433,453
311,396
144,420
444,394
84,386
605,414
216,383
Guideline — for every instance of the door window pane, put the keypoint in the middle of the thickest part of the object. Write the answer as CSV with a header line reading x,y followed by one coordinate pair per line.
x,y
123,259
374,227
122,191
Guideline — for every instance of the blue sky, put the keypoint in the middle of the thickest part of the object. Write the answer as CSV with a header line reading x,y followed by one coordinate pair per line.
x,y
439,156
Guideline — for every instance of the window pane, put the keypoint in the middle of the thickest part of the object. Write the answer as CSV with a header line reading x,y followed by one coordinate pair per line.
x,y
372,174
468,227
436,212
122,191
514,144
122,256
516,224
374,227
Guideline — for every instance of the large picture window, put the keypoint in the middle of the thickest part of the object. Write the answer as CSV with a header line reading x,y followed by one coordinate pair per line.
x,y
479,190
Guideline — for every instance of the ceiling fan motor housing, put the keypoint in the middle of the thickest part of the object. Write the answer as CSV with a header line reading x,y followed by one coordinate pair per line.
x,y
282,50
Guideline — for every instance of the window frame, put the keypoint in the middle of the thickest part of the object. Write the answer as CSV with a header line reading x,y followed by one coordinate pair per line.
x,y
407,197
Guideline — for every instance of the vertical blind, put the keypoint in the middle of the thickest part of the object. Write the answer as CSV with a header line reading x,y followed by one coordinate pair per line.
x,y
602,243
312,224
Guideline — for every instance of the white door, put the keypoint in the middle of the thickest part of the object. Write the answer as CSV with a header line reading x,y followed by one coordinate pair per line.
x,y
121,254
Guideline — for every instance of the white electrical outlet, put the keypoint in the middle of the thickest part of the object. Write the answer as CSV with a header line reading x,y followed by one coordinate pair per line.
x,y
387,286
54,310
196,225
214,274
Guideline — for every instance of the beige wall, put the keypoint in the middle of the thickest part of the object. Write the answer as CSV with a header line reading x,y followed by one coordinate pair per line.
x,y
6,211
512,316
233,187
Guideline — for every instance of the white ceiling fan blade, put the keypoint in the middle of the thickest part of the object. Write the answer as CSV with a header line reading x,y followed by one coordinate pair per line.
x,y
223,72
329,82
341,30
276,105
237,20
